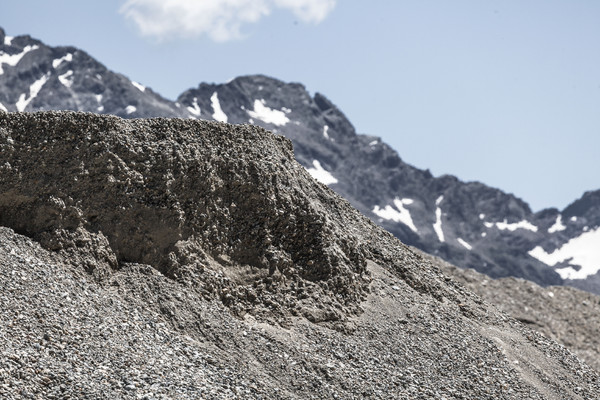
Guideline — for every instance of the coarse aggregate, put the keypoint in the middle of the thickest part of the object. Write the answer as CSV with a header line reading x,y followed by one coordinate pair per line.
x,y
175,259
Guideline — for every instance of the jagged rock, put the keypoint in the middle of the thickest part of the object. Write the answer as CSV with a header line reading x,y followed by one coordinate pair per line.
x,y
40,77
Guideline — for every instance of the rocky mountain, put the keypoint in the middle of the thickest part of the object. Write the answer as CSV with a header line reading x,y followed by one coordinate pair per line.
x,y
467,223
172,258
34,76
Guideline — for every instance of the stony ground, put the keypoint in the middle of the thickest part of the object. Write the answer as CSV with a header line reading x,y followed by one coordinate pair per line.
x,y
565,314
141,335
185,259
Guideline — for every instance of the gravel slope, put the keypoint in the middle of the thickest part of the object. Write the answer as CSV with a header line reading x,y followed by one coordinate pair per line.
x,y
139,334
150,284
565,314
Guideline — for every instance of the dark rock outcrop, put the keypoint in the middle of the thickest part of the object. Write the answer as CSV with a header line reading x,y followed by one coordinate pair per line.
x,y
184,197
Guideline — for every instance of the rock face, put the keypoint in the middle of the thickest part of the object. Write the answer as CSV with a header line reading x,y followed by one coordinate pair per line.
x,y
466,223
197,259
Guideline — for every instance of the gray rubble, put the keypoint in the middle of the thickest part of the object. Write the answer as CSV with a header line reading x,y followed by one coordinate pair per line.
x,y
568,315
188,259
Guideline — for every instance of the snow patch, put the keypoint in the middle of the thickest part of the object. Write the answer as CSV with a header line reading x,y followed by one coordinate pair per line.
x,y
218,113
504,225
34,89
139,86
66,78
320,174
3,108
14,59
573,219
373,143
464,244
8,40
268,115
325,130
130,109
481,216
68,58
437,227
286,110
483,234
516,225
399,214
195,108
99,99
583,251
558,225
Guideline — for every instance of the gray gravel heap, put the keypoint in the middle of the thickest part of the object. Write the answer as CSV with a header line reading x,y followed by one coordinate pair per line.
x,y
192,199
568,315
187,259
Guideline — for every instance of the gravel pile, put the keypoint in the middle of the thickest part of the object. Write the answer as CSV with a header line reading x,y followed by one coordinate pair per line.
x,y
186,259
565,314
193,199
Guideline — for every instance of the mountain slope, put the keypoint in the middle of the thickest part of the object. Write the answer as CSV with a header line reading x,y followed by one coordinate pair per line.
x,y
198,259
468,224
34,76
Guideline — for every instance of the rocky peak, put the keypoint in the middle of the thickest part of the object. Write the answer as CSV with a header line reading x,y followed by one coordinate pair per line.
x,y
268,102
589,203
34,76
467,223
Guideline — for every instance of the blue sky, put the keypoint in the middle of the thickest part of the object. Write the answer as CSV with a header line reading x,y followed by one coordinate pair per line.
x,y
506,92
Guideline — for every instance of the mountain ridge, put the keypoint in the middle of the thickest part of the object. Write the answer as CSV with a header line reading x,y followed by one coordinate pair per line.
x,y
467,223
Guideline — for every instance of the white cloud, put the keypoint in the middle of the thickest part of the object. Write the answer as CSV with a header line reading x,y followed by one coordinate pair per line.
x,y
308,10
221,20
